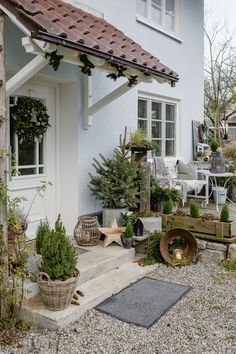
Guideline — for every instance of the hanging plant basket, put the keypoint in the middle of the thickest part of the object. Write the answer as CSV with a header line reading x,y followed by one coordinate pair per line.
x,y
30,119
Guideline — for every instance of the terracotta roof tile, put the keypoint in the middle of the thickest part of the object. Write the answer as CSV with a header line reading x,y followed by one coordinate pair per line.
x,y
55,20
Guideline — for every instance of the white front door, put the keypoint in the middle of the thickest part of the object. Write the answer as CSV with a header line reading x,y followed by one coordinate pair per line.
x,y
35,162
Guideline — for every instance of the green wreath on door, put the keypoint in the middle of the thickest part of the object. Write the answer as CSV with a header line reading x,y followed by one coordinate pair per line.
x,y
30,119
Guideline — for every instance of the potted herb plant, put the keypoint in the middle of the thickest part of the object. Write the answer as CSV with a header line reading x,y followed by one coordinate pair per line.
x,y
58,275
117,182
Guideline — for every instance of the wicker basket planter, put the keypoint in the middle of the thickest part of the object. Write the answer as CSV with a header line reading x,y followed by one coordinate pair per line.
x,y
57,294
86,231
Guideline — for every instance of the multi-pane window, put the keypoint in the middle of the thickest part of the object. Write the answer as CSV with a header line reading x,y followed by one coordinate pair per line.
x,y
158,119
28,159
162,13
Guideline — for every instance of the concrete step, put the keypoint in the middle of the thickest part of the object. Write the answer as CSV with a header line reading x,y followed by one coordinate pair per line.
x,y
99,260
91,264
95,290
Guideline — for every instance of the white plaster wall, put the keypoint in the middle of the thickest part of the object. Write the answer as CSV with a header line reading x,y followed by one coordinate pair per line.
x,y
185,57
79,146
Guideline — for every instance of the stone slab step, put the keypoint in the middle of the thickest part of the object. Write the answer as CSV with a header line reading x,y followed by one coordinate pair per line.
x,y
96,261
95,290
99,260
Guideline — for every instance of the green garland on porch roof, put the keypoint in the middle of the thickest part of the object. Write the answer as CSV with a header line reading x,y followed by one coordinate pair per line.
x,y
120,70
88,66
54,59
30,119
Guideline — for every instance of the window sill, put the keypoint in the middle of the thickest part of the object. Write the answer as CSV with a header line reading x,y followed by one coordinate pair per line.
x,y
151,24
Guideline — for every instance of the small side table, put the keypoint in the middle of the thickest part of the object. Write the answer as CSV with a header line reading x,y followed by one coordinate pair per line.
x,y
212,177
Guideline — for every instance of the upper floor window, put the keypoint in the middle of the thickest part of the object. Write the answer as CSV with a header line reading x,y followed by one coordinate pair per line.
x,y
162,13
158,119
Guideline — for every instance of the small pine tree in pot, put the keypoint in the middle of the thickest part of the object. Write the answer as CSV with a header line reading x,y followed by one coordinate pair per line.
x,y
194,210
127,235
58,277
224,216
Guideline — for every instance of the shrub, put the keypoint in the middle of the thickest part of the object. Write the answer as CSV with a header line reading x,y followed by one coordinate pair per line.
x,y
224,215
229,151
153,251
128,217
168,206
194,210
162,194
129,231
214,145
42,230
58,254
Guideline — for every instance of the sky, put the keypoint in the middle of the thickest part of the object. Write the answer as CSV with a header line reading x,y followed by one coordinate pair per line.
x,y
223,10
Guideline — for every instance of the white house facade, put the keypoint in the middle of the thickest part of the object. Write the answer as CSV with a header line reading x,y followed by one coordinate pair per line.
x,y
163,103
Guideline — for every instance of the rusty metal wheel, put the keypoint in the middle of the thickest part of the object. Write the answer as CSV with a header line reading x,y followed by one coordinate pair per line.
x,y
188,252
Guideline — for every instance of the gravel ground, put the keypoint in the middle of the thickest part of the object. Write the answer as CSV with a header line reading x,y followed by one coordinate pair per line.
x,y
204,321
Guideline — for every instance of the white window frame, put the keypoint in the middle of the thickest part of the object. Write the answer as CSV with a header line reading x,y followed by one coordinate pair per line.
x,y
147,20
37,166
163,100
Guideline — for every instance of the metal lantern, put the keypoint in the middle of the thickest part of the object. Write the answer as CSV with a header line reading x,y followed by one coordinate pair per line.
x,y
86,231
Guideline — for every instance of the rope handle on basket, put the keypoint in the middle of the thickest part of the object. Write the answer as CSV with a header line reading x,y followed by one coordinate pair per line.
x,y
41,274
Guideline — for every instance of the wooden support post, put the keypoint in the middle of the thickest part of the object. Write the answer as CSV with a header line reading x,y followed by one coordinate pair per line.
x,y
4,278
145,199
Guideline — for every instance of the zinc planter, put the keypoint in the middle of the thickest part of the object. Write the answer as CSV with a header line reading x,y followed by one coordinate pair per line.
x,y
151,224
109,214
127,242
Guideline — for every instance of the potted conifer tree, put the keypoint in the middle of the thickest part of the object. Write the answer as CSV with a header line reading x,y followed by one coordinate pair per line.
x,y
58,277
117,182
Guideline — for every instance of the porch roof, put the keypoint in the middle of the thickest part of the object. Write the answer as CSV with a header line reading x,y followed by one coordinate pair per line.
x,y
60,23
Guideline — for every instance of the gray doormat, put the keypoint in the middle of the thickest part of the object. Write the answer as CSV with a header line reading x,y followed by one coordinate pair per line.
x,y
143,302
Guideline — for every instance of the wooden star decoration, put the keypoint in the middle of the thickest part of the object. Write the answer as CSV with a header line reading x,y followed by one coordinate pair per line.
x,y
112,233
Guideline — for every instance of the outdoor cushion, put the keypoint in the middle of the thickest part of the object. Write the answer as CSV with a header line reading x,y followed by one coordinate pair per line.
x,y
186,171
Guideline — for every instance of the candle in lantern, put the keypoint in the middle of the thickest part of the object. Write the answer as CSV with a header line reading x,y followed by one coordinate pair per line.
x,y
178,253
87,236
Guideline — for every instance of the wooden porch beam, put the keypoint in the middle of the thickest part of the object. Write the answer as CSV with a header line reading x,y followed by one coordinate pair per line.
x,y
112,96
22,76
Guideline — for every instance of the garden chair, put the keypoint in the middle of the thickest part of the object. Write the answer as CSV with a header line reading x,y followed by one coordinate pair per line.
x,y
185,178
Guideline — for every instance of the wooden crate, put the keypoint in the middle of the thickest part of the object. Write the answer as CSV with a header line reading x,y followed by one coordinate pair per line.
x,y
206,229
